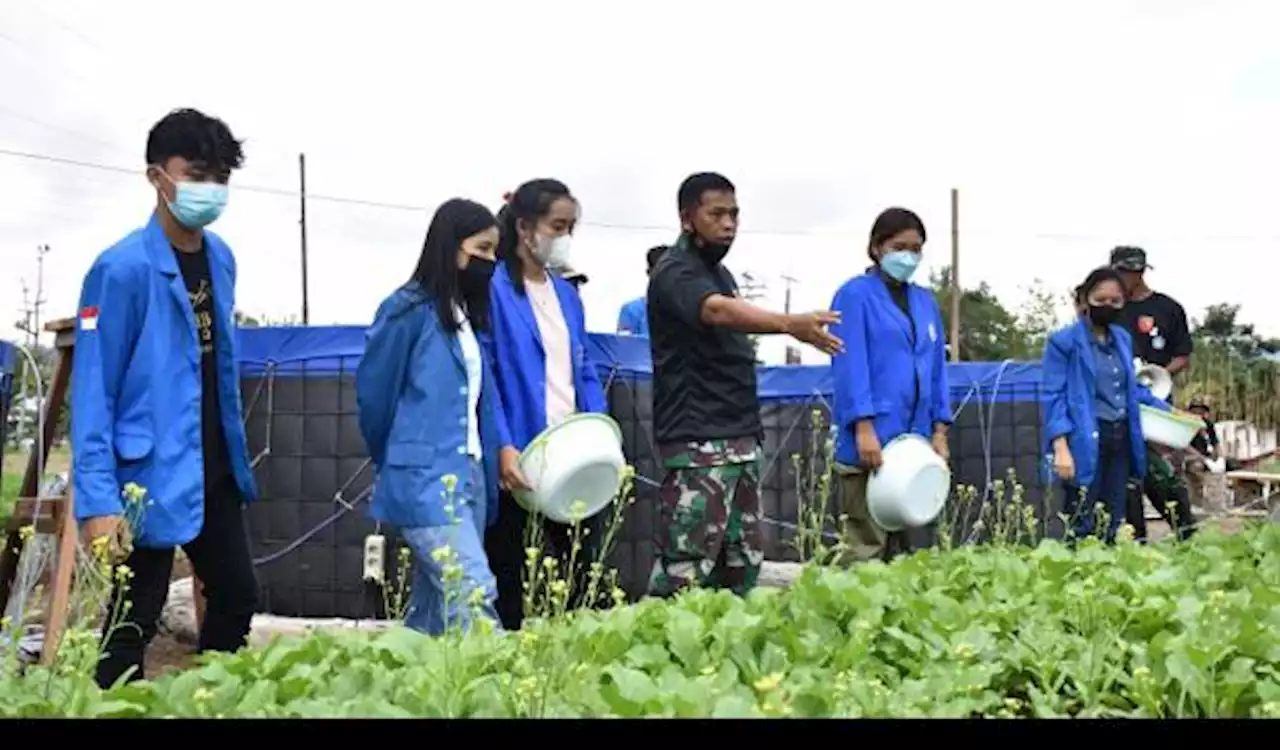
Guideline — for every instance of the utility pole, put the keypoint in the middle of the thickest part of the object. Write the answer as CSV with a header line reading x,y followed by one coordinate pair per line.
x,y
792,352
752,289
24,325
302,224
955,275
41,251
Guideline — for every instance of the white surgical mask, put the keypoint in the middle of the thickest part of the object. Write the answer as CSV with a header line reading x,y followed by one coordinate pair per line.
x,y
553,252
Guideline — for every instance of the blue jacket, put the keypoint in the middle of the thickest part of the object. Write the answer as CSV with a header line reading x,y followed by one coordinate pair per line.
x,y
1069,382
880,375
514,350
633,318
135,393
411,391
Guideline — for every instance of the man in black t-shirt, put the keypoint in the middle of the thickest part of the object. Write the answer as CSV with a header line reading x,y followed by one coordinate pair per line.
x,y
1161,336
706,412
161,459
1156,321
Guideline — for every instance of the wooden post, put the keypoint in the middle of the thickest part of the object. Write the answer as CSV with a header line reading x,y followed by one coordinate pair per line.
x,y
57,514
302,225
955,275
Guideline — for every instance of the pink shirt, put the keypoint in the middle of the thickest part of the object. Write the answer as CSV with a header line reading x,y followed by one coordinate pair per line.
x,y
555,343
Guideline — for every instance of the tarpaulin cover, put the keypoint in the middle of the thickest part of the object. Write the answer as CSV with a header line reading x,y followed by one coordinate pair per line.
x,y
326,351
302,424
8,361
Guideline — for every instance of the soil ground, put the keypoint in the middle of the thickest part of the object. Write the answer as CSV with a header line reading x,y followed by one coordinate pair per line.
x,y
167,654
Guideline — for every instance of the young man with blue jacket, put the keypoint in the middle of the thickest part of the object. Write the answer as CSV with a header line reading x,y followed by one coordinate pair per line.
x,y
633,318
155,399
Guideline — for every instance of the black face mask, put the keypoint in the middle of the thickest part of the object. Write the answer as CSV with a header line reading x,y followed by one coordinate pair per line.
x,y
711,252
475,277
1103,315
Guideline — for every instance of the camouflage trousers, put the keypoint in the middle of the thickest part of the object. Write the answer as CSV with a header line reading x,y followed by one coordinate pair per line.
x,y
709,524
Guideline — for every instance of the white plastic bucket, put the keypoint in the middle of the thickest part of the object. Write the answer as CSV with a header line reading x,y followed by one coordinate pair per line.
x,y
911,486
575,468
1170,429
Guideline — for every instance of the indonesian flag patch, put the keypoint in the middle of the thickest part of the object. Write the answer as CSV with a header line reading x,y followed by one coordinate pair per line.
x,y
89,318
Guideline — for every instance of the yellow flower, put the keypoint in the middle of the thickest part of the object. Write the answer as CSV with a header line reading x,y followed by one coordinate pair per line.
x,y
768,682
133,492
27,532
450,482
440,554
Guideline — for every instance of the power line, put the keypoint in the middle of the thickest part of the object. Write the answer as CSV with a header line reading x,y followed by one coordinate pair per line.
x,y
367,203
280,192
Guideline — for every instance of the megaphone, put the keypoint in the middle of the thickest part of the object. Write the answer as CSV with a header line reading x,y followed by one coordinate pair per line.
x,y
1155,378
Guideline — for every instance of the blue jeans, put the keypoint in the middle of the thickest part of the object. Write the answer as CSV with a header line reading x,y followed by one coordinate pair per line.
x,y
1109,487
435,604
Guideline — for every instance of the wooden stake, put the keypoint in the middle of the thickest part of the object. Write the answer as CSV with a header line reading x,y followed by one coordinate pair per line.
x,y
955,275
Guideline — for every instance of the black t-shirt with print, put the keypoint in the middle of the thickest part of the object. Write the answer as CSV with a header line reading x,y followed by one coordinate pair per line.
x,y
1159,328
196,276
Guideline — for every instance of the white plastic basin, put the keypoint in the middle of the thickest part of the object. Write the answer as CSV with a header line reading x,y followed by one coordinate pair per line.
x,y
1168,428
911,486
575,468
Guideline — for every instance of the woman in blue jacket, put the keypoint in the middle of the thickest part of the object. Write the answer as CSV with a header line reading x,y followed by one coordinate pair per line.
x,y
427,413
891,378
1091,407
538,351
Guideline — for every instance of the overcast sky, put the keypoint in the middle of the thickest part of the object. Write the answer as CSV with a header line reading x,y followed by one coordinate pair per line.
x,y
1068,127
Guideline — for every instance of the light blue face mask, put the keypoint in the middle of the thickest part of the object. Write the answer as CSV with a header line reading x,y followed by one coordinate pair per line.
x,y
900,264
196,204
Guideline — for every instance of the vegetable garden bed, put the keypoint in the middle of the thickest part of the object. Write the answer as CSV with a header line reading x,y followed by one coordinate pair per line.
x,y
1156,631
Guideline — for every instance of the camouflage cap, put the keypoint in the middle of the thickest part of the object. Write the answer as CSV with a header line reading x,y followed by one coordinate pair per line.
x,y
1129,258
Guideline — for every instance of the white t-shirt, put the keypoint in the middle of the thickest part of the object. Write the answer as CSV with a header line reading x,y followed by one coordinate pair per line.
x,y
475,374
555,343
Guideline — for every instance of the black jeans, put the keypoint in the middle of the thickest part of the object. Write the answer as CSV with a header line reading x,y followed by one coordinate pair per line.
x,y
220,559
504,545
1109,486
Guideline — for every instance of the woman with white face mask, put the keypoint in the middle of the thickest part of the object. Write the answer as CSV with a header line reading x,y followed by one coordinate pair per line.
x,y
538,351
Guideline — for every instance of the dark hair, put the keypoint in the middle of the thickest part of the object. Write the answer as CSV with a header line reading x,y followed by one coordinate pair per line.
x,y
696,185
1079,293
652,257
437,272
890,223
530,202
203,140
1098,276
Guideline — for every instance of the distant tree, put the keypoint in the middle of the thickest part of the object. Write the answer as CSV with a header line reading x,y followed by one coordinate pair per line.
x,y
244,320
1234,367
988,331
1039,316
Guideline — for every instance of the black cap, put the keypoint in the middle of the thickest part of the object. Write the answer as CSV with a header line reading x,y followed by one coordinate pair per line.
x,y
1128,258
